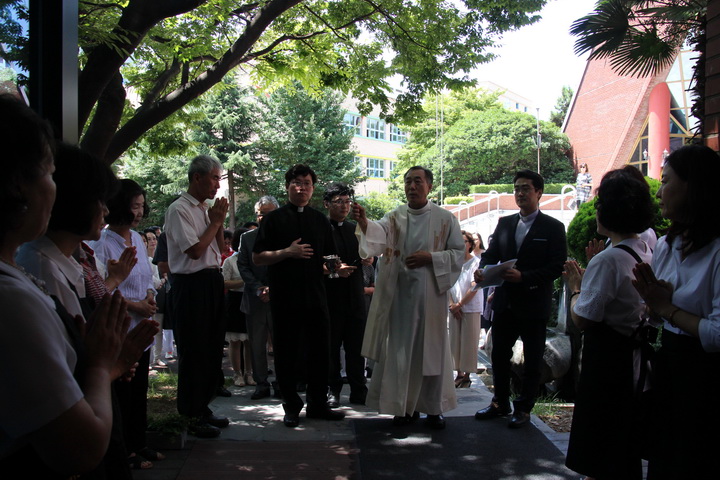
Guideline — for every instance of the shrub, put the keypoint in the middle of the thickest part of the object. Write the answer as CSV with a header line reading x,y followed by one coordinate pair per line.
x,y
457,200
550,188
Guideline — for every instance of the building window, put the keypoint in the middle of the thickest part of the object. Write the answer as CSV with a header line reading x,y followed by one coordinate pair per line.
x,y
375,128
397,135
352,123
375,168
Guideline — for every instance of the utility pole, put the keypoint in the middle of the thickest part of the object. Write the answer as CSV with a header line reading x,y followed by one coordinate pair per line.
x,y
537,117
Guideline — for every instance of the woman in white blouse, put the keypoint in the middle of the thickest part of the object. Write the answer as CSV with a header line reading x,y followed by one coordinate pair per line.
x,y
682,287
126,210
605,436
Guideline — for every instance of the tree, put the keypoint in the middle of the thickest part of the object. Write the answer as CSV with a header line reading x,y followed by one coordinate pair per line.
x,y
297,127
641,38
170,52
557,116
485,143
229,120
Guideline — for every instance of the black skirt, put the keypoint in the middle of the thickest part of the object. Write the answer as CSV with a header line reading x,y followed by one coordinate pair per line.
x,y
605,438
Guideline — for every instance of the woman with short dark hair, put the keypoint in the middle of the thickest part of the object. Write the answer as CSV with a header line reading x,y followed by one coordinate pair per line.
x,y
605,436
126,209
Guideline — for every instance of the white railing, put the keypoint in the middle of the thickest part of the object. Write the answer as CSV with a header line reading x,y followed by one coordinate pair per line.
x,y
464,206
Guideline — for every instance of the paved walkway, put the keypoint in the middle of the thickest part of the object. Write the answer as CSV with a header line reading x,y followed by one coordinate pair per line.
x,y
257,445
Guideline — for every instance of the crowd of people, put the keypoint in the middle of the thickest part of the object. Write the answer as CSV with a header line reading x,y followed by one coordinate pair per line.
x,y
405,300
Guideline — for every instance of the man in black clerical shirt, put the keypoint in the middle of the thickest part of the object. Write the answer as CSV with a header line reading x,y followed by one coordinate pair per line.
x,y
292,241
346,300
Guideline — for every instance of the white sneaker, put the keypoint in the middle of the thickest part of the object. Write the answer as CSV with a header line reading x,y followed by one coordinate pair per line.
x,y
238,380
249,380
160,363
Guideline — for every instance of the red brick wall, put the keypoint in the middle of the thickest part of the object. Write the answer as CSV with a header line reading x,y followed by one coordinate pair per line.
x,y
712,81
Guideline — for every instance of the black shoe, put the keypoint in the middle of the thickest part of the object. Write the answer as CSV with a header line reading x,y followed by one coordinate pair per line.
x,y
519,419
260,392
223,392
358,398
291,420
436,422
493,410
201,429
401,421
324,414
217,422
333,400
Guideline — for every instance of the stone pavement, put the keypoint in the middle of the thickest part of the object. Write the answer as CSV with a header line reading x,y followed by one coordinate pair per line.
x,y
257,445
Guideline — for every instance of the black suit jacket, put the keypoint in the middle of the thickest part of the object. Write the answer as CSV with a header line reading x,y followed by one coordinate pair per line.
x,y
255,276
540,259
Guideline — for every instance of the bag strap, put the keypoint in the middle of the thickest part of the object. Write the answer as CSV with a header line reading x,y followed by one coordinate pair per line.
x,y
630,251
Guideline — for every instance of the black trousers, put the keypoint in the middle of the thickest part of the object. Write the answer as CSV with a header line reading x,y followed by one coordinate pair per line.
x,y
347,329
301,338
198,312
506,329
132,398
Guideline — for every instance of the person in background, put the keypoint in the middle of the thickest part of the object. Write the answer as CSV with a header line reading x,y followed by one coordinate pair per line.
x,y
681,287
236,330
227,242
165,339
466,308
583,185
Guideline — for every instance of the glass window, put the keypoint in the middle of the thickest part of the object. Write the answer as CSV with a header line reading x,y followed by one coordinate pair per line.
x,y
375,128
375,168
352,122
397,135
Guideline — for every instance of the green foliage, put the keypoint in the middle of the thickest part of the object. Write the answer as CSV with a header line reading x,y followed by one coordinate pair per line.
x,y
457,200
299,127
583,227
557,116
378,204
550,188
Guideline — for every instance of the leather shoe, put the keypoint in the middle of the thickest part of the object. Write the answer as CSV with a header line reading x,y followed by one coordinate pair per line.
x,y
407,419
324,414
260,392
333,400
291,420
436,422
491,411
519,419
217,422
223,392
201,429
358,398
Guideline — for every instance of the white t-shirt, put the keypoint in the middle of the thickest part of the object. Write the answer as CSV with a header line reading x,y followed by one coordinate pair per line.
x,y
33,337
607,294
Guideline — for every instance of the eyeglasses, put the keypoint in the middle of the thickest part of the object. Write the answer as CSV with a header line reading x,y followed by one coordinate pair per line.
x,y
341,202
524,189
297,184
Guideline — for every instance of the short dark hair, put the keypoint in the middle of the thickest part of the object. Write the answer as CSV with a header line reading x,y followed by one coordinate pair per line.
x,y
227,234
249,225
119,204
428,173
236,237
624,204
27,141
83,182
299,170
537,180
336,189
468,236
699,166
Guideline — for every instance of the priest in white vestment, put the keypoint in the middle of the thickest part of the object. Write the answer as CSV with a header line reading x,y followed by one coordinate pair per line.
x,y
406,334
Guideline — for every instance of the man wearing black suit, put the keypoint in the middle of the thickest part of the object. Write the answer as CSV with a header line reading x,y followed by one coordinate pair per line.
x,y
255,302
522,303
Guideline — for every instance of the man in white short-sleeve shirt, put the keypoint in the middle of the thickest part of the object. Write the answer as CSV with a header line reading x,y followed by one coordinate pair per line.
x,y
195,240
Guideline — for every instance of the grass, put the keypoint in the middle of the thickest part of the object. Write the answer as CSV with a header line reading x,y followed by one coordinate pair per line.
x,y
162,394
